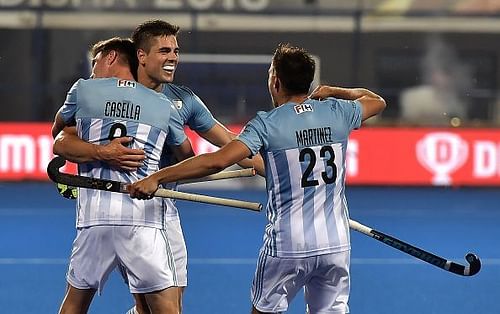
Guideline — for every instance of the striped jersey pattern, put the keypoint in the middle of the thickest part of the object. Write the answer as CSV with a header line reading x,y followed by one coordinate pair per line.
x,y
144,115
194,114
305,175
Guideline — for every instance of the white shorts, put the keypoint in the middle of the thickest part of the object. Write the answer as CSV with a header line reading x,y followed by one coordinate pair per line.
x,y
177,247
325,279
141,251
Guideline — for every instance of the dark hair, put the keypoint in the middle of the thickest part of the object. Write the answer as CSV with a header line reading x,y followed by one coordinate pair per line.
x,y
144,33
124,47
294,67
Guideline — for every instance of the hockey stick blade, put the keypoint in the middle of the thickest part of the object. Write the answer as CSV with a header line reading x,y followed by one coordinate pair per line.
x,y
474,262
80,181
120,187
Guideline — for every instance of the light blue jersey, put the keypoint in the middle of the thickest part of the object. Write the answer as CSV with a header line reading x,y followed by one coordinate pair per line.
x,y
104,109
195,115
304,148
191,108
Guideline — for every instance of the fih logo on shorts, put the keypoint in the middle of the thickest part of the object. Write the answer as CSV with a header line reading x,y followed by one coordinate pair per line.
x,y
442,153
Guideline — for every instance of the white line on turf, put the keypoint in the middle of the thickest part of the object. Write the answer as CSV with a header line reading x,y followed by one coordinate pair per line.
x,y
241,261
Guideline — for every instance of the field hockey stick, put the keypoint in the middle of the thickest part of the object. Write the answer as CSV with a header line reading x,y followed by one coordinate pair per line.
x,y
230,174
472,259
121,187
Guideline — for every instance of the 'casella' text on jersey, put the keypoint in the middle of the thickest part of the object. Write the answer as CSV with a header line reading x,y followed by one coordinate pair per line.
x,y
125,110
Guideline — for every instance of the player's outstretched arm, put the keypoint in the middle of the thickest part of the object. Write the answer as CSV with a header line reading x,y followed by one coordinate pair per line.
x,y
219,136
68,145
372,103
195,167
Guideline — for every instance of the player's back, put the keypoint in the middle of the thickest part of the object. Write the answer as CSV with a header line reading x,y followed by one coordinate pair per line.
x,y
304,151
104,109
110,108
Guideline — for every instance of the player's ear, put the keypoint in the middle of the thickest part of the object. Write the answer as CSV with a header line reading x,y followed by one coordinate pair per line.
x,y
141,54
276,83
111,57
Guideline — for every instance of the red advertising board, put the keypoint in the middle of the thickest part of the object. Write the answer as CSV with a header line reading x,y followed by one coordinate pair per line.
x,y
424,156
375,156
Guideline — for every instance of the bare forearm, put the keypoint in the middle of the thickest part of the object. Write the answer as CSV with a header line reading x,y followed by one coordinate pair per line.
x,y
204,164
220,136
73,149
115,153
371,103
349,93
194,167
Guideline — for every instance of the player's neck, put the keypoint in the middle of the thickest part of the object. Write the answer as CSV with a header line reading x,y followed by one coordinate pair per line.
x,y
148,82
119,71
298,99
125,75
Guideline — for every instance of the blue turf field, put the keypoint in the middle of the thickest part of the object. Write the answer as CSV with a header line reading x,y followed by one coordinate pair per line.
x,y
37,229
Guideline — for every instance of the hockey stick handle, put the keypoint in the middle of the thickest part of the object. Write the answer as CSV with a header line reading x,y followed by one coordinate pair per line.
x,y
248,172
121,187
208,199
472,259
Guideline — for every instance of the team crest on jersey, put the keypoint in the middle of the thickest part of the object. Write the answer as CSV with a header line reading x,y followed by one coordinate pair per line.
x,y
177,103
301,108
125,83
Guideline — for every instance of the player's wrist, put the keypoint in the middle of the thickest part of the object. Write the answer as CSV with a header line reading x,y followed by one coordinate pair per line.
x,y
99,153
156,178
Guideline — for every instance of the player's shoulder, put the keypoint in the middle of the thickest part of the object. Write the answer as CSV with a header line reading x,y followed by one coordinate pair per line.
x,y
265,115
78,83
179,90
98,81
81,82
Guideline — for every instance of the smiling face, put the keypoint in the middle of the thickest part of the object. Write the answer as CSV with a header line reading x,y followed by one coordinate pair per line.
x,y
157,66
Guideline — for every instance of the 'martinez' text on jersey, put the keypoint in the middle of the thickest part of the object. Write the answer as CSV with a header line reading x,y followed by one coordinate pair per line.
x,y
312,137
122,109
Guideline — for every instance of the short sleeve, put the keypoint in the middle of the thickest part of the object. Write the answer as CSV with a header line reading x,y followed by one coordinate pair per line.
x,y
352,112
200,119
176,135
69,108
254,135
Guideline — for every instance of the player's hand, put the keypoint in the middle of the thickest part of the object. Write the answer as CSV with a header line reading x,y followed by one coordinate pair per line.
x,y
117,155
143,189
322,92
